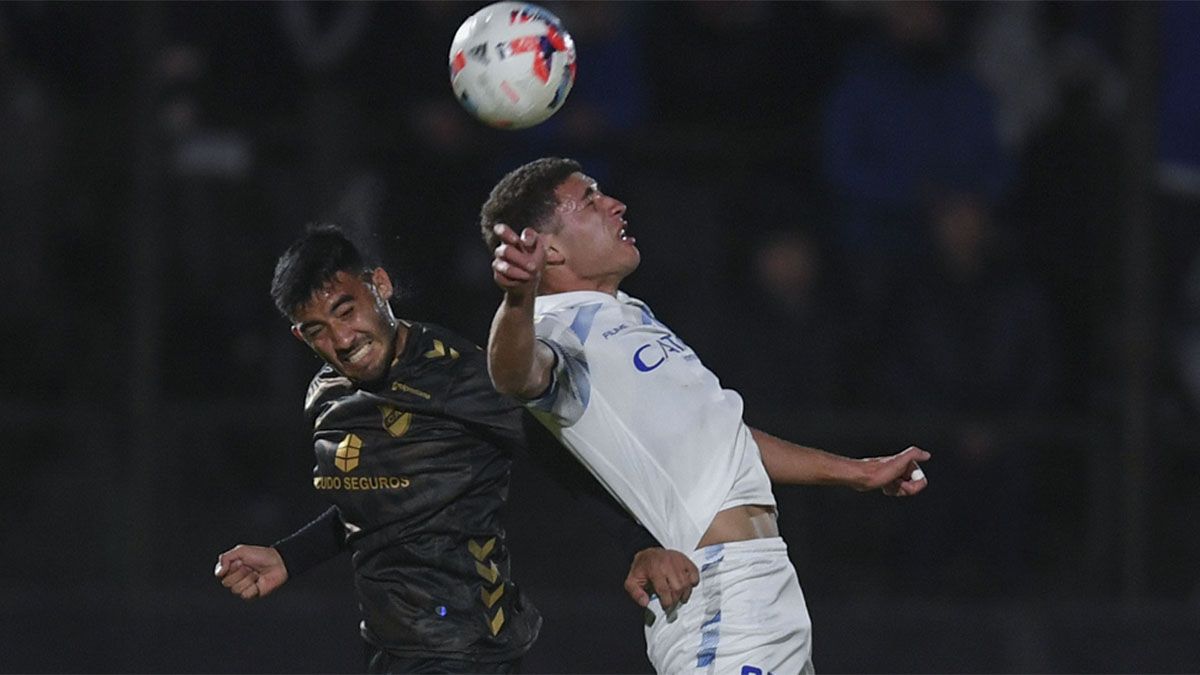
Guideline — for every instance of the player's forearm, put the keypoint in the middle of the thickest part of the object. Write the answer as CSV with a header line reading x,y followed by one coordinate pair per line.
x,y
513,355
312,544
794,464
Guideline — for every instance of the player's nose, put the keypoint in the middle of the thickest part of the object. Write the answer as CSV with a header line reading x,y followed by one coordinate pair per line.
x,y
343,336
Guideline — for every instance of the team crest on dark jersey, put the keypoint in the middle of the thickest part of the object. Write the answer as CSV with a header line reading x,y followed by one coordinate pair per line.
x,y
395,421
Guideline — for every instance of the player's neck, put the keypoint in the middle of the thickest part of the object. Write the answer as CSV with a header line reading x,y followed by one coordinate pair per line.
x,y
400,341
557,284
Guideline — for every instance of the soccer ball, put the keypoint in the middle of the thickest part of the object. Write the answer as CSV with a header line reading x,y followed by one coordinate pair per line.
x,y
512,64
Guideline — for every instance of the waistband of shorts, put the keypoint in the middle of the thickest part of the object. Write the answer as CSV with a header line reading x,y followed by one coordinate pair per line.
x,y
738,549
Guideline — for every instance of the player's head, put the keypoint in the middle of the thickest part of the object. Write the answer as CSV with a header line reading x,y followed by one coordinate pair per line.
x,y
583,229
337,302
525,198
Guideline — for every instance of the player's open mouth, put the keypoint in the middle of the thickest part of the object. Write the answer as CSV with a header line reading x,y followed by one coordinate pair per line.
x,y
355,356
624,236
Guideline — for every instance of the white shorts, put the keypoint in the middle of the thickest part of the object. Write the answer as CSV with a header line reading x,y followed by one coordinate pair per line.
x,y
747,616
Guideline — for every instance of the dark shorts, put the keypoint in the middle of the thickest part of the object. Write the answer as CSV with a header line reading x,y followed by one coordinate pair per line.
x,y
380,662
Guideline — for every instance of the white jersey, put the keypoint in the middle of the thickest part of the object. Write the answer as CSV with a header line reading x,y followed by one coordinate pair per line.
x,y
639,410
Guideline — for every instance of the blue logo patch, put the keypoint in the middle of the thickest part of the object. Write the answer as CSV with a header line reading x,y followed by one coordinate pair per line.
x,y
653,354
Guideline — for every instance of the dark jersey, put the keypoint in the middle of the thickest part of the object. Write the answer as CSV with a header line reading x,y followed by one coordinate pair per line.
x,y
418,467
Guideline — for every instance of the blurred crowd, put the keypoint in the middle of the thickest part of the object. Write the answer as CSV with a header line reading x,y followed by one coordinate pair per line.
x,y
857,213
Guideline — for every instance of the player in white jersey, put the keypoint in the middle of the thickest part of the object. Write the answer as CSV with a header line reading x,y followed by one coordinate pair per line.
x,y
636,406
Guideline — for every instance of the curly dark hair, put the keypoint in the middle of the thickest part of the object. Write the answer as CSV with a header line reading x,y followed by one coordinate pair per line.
x,y
312,261
525,197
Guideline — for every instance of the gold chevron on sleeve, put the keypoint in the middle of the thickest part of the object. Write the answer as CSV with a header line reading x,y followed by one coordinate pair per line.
x,y
497,621
489,572
490,599
440,349
481,552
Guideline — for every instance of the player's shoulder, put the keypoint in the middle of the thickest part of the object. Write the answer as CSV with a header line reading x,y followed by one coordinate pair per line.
x,y
436,358
327,386
452,368
582,315
433,341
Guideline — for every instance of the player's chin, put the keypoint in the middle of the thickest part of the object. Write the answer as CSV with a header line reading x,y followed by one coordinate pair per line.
x,y
365,374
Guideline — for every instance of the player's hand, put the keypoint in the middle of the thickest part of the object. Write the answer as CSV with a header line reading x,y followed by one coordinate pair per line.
x,y
898,475
251,572
669,574
518,260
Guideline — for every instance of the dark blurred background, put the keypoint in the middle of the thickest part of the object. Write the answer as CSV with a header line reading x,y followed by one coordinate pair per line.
x,y
971,227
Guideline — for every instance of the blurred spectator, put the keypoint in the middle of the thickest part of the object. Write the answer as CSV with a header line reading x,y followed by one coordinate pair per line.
x,y
971,340
1068,211
905,116
204,184
1010,55
1179,154
32,125
706,59
785,353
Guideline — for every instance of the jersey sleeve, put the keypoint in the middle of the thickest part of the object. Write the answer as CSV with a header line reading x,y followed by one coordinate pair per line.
x,y
313,544
570,382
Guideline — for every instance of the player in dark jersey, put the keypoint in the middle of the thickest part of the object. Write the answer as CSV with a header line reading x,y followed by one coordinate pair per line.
x,y
414,447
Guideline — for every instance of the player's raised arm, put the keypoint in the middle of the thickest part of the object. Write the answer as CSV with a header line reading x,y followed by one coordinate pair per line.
x,y
517,363
897,475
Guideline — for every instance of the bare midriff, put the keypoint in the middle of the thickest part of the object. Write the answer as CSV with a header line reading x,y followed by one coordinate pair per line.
x,y
741,523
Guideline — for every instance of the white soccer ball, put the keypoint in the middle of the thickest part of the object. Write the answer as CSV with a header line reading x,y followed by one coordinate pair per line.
x,y
512,64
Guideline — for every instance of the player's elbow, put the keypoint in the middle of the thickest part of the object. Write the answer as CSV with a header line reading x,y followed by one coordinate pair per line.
x,y
505,381
525,385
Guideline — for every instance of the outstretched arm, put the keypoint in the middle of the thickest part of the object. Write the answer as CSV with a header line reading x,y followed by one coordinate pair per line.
x,y
518,364
255,571
897,475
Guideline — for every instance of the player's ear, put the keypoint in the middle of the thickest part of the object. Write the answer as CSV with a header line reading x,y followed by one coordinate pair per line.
x,y
553,255
297,333
382,283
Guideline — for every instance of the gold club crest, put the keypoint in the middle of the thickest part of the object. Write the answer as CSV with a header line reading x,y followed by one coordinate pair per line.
x,y
395,421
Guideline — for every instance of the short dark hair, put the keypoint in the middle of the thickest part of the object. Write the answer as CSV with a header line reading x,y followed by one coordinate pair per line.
x,y
311,262
525,197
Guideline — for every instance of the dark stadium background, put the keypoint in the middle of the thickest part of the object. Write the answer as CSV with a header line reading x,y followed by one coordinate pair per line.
x,y
156,157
